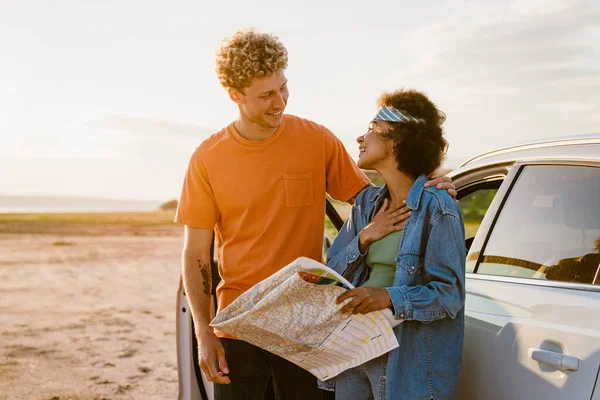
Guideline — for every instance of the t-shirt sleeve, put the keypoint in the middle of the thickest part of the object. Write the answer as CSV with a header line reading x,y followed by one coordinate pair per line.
x,y
197,207
344,178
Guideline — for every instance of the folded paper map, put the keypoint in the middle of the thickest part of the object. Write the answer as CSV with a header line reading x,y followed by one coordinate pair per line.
x,y
293,314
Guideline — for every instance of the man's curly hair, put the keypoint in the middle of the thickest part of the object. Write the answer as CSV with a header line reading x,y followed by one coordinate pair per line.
x,y
418,147
249,54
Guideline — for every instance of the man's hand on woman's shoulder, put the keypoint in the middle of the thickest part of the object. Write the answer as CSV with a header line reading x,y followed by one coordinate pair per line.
x,y
442,182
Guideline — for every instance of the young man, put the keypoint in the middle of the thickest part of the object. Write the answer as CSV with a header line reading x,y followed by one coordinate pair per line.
x,y
260,185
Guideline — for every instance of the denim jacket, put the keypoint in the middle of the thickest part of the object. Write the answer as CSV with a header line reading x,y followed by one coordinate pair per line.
x,y
428,292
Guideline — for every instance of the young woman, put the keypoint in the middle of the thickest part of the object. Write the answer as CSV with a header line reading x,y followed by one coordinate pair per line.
x,y
414,266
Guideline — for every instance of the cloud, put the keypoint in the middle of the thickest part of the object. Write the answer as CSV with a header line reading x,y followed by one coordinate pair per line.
x,y
80,134
153,130
526,48
506,71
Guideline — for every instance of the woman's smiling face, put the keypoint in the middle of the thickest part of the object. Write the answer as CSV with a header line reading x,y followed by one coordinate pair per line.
x,y
374,148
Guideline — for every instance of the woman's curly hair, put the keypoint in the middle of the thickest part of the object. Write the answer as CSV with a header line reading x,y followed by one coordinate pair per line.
x,y
248,54
418,147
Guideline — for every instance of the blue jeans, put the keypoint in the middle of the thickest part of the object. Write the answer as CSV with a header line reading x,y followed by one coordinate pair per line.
x,y
365,382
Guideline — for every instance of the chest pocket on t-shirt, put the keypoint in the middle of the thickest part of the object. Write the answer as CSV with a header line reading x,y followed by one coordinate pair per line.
x,y
298,189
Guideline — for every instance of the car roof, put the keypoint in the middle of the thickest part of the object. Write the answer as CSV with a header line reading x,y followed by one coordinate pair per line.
x,y
580,147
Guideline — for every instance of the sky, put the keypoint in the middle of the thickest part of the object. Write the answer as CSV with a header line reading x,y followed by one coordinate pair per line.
x,y
109,99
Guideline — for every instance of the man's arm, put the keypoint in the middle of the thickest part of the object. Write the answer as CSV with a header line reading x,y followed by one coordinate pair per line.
x,y
197,281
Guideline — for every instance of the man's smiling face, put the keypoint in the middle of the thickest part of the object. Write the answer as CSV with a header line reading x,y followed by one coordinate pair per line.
x,y
264,101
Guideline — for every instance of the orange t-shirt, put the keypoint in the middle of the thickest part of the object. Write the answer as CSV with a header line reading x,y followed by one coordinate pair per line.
x,y
265,199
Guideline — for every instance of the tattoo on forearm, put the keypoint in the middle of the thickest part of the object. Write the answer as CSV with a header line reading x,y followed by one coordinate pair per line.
x,y
206,276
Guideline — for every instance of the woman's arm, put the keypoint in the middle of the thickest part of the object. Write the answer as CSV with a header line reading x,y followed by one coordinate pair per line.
x,y
444,295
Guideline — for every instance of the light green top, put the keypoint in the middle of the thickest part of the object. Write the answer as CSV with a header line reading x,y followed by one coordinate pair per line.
x,y
381,259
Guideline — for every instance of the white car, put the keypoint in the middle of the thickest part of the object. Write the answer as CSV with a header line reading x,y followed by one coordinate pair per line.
x,y
533,271
532,217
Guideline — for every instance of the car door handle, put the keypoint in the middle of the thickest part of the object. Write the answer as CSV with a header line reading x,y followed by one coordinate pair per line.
x,y
560,361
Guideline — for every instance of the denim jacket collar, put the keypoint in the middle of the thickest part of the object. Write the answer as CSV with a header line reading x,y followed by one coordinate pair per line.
x,y
381,191
416,192
378,198
414,195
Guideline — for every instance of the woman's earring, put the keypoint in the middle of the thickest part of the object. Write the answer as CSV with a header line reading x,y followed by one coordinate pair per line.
x,y
446,146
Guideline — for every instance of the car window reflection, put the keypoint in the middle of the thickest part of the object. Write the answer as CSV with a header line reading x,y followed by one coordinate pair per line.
x,y
549,227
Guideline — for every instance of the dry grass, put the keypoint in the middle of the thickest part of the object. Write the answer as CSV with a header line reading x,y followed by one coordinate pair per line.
x,y
156,218
109,218
62,243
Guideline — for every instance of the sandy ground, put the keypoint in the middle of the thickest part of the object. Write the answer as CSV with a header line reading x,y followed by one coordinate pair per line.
x,y
88,312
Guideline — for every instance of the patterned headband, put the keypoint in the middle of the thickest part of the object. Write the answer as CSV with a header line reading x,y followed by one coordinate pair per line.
x,y
385,113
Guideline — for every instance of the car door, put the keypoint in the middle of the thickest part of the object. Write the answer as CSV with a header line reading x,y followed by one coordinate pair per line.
x,y
533,287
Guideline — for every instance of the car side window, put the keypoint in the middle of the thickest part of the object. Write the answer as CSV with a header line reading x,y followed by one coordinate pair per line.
x,y
474,205
549,227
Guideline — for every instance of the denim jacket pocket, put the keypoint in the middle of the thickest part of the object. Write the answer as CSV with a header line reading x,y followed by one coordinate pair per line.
x,y
410,264
298,190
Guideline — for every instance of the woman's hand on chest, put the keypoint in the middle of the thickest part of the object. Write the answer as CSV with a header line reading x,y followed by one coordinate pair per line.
x,y
386,221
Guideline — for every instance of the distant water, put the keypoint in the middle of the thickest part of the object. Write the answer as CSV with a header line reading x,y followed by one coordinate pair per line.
x,y
57,204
